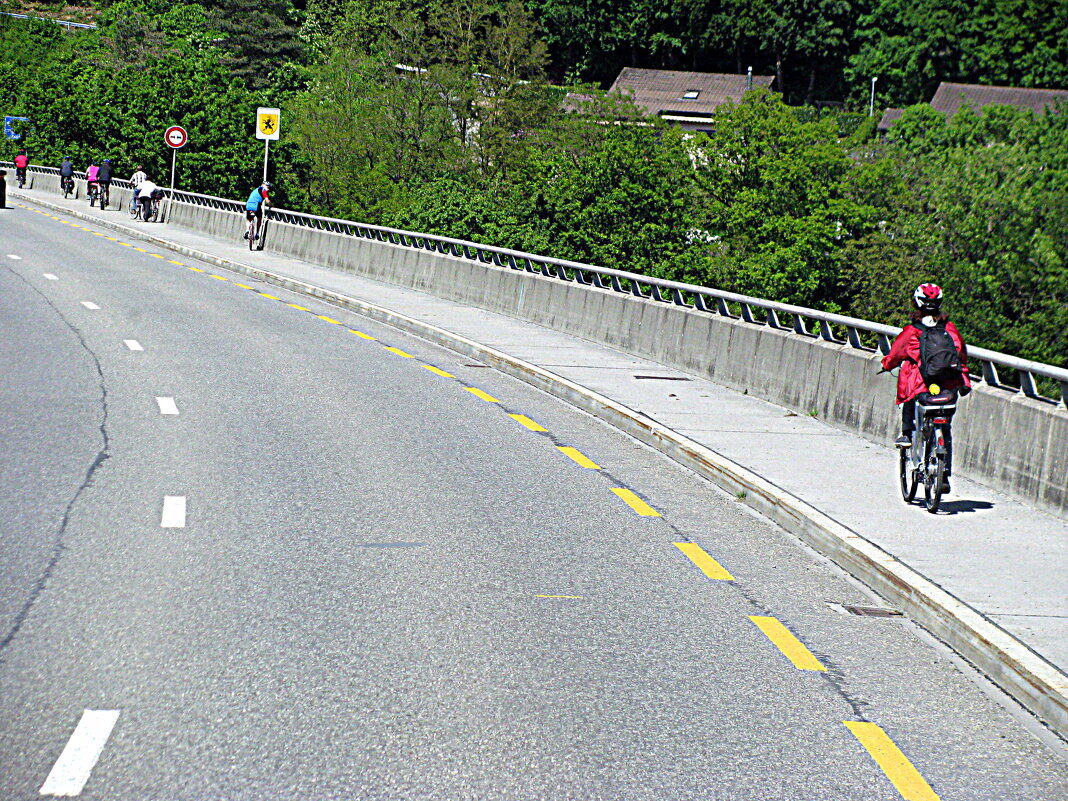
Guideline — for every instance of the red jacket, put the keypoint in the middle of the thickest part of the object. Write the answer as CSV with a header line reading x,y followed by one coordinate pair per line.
x,y
906,352
21,161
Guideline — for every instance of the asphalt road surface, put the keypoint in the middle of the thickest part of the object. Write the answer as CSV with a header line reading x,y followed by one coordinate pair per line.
x,y
256,547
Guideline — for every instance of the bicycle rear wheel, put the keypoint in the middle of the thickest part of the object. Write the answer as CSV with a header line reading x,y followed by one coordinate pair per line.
x,y
932,482
906,476
253,229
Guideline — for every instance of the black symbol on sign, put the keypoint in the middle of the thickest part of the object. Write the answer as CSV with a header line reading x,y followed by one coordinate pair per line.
x,y
267,125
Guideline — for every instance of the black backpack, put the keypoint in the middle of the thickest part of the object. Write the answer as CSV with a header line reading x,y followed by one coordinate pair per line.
x,y
939,359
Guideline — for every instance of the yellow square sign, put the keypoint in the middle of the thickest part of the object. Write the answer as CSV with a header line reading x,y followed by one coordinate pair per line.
x,y
267,123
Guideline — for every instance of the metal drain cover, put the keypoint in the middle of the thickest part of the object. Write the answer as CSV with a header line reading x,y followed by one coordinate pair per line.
x,y
871,611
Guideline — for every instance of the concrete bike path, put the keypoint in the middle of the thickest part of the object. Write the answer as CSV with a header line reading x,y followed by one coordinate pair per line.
x,y
1004,559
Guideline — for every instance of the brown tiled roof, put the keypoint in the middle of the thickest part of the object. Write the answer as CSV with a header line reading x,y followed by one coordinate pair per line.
x,y
890,116
949,97
661,91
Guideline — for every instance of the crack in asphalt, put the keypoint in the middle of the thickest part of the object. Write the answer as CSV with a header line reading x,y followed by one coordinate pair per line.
x,y
102,456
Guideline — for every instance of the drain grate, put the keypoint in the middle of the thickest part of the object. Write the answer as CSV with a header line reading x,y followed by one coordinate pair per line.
x,y
663,377
871,611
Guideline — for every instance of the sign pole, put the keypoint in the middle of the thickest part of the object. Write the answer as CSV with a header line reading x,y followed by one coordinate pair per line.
x,y
266,146
174,162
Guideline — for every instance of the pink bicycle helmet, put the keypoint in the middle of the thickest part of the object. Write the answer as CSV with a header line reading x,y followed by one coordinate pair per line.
x,y
928,297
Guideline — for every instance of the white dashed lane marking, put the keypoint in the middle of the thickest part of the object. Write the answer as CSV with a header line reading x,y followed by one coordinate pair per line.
x,y
167,406
72,769
51,277
89,304
133,344
173,512
13,256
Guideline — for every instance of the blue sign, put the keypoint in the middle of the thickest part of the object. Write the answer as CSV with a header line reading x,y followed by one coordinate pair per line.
x,y
9,132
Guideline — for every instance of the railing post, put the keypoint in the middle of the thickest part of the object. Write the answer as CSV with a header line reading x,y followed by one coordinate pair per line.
x,y
990,374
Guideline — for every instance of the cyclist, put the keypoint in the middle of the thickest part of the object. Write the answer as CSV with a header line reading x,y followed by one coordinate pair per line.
x,y
91,186
66,175
135,181
254,207
925,316
22,161
146,190
103,178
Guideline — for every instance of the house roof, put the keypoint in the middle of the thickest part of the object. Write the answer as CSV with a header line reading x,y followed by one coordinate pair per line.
x,y
683,93
890,116
949,97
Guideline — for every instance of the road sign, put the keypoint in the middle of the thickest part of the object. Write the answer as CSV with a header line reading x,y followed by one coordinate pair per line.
x,y
267,123
176,136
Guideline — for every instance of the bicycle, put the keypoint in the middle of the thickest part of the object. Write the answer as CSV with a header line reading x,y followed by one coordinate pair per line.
x,y
255,229
151,205
93,190
105,196
67,184
926,458
20,174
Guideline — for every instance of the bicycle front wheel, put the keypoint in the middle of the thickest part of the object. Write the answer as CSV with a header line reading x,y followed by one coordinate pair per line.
x,y
906,476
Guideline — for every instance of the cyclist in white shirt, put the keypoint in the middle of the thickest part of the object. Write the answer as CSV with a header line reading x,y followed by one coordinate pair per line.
x,y
135,181
144,196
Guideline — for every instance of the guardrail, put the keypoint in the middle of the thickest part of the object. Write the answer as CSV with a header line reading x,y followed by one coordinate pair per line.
x,y
798,320
63,22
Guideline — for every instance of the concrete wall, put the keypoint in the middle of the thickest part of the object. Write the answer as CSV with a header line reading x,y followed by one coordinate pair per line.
x,y
1005,439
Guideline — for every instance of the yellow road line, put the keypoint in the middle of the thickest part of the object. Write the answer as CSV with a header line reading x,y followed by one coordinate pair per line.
x,y
328,319
575,597
155,255
219,277
360,334
399,352
142,250
196,269
896,766
269,297
112,238
783,639
700,557
126,244
478,393
243,286
578,457
97,233
635,503
526,422
298,307
438,371
179,263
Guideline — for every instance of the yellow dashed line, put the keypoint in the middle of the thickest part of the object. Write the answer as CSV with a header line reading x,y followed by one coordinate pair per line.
x,y
896,766
142,250
791,647
526,422
219,277
438,371
399,352
573,597
179,263
269,297
478,393
578,457
298,307
126,244
155,255
243,286
112,238
360,334
709,566
635,503
328,319
97,233
195,270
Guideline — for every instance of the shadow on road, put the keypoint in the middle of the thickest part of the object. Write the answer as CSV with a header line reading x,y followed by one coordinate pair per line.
x,y
959,507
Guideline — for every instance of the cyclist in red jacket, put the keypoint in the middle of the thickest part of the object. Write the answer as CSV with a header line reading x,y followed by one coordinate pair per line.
x,y
925,316
22,161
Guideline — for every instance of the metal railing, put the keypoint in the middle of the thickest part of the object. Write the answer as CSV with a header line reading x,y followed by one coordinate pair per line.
x,y
63,22
1000,370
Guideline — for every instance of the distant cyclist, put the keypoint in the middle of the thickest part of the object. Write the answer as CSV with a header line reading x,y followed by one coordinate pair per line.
x,y
103,178
66,176
927,332
147,192
254,207
135,181
22,161
91,186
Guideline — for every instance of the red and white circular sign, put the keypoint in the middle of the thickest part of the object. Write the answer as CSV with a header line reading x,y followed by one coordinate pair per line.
x,y
176,136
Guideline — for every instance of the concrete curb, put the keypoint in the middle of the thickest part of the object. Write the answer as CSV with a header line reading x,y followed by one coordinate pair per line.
x,y
1032,681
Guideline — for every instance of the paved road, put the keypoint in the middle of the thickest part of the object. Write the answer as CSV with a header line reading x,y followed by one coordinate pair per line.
x,y
384,586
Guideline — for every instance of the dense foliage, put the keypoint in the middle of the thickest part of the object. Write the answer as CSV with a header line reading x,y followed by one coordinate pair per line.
x,y
440,117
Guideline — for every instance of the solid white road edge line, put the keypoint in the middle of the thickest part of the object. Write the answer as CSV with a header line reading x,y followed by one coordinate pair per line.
x,y
13,256
89,304
72,769
133,344
51,277
167,406
173,512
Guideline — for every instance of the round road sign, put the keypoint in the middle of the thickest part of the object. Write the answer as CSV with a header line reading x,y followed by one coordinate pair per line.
x,y
176,136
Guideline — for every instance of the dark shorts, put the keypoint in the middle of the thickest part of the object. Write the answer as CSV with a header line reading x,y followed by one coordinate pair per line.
x,y
257,214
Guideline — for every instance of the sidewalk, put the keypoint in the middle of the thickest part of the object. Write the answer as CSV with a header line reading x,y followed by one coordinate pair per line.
x,y
1004,559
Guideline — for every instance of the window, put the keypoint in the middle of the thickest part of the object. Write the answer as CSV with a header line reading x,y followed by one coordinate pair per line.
x,y
691,94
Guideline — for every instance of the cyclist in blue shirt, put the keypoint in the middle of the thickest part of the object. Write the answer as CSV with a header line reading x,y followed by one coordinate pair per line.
x,y
254,207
